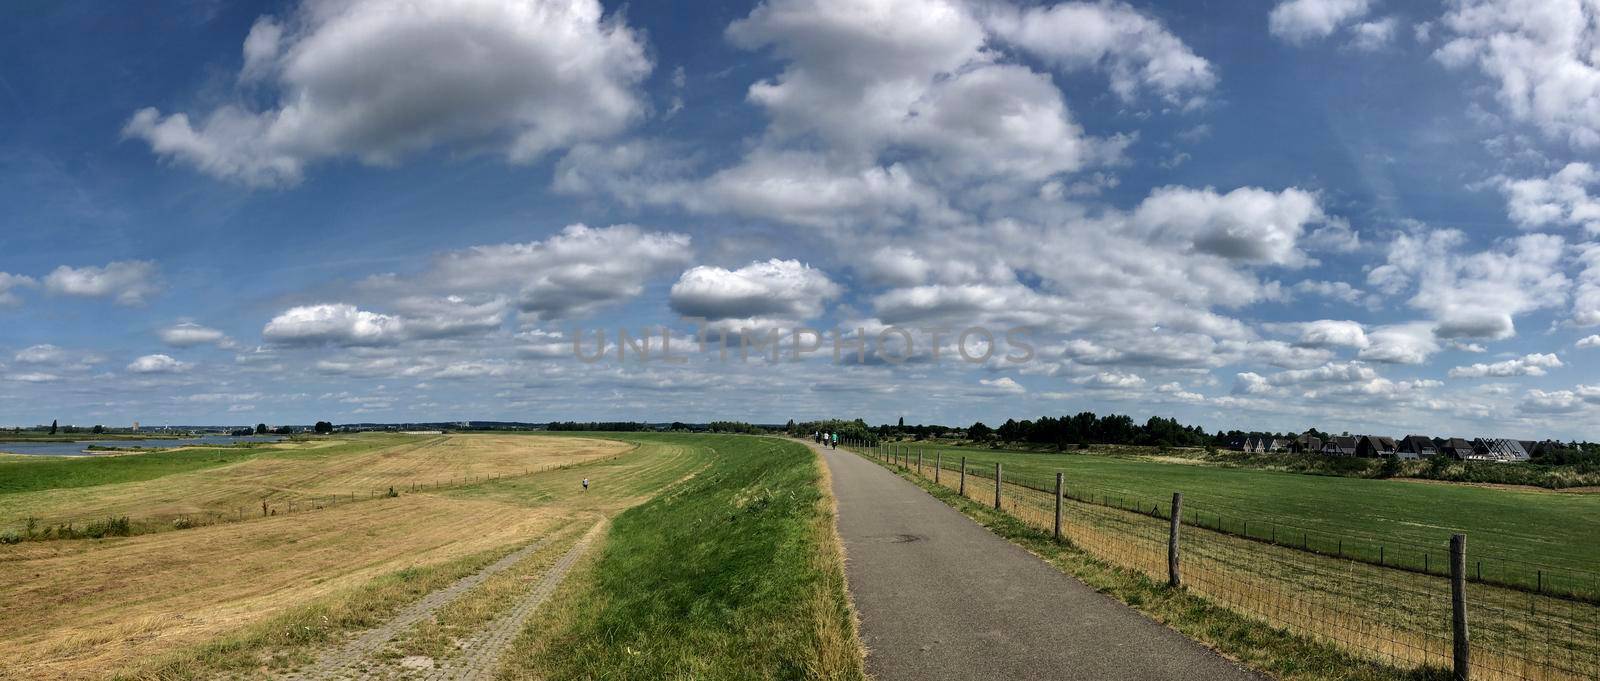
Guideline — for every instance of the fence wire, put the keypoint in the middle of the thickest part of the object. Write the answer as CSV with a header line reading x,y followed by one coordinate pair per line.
x,y
1386,612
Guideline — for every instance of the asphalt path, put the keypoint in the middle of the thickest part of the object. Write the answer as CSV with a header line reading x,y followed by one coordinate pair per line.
x,y
941,597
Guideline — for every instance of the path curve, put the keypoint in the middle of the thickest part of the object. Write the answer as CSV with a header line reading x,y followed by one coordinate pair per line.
x,y
940,597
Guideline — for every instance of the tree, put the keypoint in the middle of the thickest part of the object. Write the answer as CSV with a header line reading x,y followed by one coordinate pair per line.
x,y
902,424
323,428
99,429
53,428
261,429
979,432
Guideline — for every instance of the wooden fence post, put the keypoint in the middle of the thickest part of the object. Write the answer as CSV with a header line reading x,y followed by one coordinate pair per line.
x,y
963,476
1458,605
997,485
938,465
1174,577
1058,506
919,462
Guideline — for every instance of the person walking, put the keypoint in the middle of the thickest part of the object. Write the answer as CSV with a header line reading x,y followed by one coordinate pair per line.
x,y
585,484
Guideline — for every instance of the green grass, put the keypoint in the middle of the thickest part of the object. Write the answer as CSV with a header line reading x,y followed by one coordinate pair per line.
x,y
732,574
51,472
1505,527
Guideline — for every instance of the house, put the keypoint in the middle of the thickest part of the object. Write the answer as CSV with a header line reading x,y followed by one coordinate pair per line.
x,y
1456,448
1307,444
1373,446
1341,445
1255,445
1417,447
1237,443
1498,449
1277,446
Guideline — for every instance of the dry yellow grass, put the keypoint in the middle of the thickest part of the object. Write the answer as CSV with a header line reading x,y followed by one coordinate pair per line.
x,y
305,474
79,609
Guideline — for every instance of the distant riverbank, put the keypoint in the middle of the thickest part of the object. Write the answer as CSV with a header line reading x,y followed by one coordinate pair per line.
x,y
80,446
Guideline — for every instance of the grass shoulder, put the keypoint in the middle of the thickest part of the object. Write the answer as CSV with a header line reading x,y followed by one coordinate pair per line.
x,y
733,573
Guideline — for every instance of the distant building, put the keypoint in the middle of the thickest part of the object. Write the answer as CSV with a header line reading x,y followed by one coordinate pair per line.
x,y
1498,449
1374,446
1417,447
1307,444
1456,448
1340,445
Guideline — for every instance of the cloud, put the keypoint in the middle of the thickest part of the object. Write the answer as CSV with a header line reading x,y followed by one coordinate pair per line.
x,y
333,323
157,364
1110,380
450,316
1475,295
771,293
9,283
1561,199
1371,36
376,81
190,334
1337,290
1586,295
1588,342
32,377
128,282
1551,402
1248,224
1411,343
572,273
999,387
1136,51
1301,21
1333,333
911,74
41,354
1528,365
1539,56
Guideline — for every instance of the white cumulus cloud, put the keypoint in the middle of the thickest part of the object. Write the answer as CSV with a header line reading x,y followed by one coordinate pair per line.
x,y
377,80
156,364
128,282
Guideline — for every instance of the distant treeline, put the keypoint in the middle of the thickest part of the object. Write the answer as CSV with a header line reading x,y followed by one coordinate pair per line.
x,y
675,426
606,426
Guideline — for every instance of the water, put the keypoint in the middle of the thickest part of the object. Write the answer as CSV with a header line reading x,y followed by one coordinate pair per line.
x,y
78,448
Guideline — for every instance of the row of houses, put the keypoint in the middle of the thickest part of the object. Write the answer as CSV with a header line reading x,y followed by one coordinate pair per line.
x,y
1408,447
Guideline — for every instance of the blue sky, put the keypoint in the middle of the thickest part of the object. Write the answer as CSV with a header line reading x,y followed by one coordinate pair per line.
x,y
1355,215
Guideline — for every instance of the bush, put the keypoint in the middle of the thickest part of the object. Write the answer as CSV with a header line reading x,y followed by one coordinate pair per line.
x,y
10,538
184,523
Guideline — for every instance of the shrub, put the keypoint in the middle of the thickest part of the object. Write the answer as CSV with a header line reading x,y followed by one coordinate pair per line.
x,y
183,523
10,538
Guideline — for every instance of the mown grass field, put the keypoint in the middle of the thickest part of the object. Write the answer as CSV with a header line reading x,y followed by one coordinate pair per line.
x,y
243,597
733,574
1519,524
212,485
731,554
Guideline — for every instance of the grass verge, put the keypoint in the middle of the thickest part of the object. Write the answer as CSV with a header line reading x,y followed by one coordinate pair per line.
x,y
1267,649
732,574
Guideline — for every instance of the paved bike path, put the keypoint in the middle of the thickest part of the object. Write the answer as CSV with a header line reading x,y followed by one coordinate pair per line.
x,y
940,597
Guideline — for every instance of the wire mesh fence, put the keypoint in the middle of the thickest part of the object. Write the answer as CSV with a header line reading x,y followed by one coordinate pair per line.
x,y
1386,610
